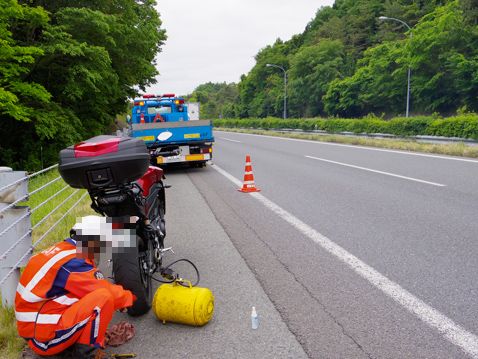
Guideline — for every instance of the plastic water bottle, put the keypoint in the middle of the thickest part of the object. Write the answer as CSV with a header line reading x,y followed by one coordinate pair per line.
x,y
254,318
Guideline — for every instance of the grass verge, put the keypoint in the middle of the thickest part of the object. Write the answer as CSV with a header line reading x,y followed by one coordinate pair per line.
x,y
453,149
11,344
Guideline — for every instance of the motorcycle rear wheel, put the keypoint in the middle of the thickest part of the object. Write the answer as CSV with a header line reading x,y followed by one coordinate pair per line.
x,y
128,271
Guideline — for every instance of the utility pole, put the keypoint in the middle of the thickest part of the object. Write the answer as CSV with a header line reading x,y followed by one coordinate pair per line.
x,y
385,18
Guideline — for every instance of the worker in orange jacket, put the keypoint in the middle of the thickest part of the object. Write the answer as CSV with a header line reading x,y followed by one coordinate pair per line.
x,y
63,299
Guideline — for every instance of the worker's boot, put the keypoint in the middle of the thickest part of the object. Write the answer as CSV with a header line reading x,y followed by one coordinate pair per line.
x,y
84,351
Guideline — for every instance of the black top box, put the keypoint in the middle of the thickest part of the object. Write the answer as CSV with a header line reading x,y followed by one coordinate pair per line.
x,y
104,161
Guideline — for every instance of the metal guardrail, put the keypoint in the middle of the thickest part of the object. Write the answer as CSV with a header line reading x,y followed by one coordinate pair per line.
x,y
420,138
26,178
16,229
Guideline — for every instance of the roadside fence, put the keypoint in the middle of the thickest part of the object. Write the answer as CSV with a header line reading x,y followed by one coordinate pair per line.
x,y
22,229
418,138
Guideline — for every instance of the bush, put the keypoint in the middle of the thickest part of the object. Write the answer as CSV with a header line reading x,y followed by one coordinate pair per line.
x,y
462,126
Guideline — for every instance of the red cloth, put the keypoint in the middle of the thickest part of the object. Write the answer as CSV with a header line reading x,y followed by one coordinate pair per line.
x,y
119,334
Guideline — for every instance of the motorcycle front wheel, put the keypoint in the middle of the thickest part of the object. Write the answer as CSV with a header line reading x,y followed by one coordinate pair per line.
x,y
131,269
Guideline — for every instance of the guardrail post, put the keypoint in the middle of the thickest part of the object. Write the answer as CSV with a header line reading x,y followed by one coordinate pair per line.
x,y
8,217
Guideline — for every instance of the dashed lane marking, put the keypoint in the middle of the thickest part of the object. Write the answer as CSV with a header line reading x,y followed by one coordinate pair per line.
x,y
228,139
376,171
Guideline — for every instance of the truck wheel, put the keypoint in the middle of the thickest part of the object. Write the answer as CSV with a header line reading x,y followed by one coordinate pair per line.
x,y
128,271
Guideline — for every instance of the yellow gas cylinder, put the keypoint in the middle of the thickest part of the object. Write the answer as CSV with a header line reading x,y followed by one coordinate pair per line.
x,y
186,305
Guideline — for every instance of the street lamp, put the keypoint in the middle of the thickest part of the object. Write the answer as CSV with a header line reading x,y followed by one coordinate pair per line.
x,y
285,86
385,18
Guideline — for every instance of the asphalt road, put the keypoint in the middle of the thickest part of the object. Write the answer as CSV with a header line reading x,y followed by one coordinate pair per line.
x,y
410,218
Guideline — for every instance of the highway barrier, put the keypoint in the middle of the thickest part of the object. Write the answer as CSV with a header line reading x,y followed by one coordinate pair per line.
x,y
458,128
16,228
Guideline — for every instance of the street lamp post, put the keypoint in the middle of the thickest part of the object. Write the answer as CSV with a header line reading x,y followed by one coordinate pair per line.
x,y
285,86
385,18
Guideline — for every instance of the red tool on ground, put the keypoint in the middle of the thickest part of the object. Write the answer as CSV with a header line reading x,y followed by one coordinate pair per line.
x,y
248,185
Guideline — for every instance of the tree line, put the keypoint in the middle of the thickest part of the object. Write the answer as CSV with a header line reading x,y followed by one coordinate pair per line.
x,y
349,63
67,67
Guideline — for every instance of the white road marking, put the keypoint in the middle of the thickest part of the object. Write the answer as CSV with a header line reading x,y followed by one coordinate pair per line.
x,y
363,148
450,330
228,139
376,171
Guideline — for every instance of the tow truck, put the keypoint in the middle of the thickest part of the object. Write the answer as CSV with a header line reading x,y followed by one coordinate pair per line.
x,y
163,122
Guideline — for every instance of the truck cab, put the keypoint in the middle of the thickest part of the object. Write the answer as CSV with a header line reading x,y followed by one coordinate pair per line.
x,y
167,108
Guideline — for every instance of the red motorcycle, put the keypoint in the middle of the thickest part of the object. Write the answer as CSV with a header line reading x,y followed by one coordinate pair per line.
x,y
122,185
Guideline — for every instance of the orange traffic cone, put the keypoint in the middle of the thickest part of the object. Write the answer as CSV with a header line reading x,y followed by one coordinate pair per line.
x,y
248,185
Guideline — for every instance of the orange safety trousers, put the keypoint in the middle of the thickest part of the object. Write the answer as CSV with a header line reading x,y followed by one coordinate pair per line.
x,y
84,322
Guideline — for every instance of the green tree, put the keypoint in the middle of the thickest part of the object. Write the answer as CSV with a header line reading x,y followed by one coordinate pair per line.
x,y
262,90
22,101
217,99
470,11
377,86
443,58
18,97
312,69
83,60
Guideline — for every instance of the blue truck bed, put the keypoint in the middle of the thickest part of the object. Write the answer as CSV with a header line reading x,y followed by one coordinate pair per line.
x,y
182,132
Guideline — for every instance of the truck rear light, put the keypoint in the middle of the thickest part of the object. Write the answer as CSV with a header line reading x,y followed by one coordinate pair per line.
x,y
206,150
169,95
149,96
92,149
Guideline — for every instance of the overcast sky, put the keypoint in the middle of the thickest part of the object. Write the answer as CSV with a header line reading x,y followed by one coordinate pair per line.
x,y
216,40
